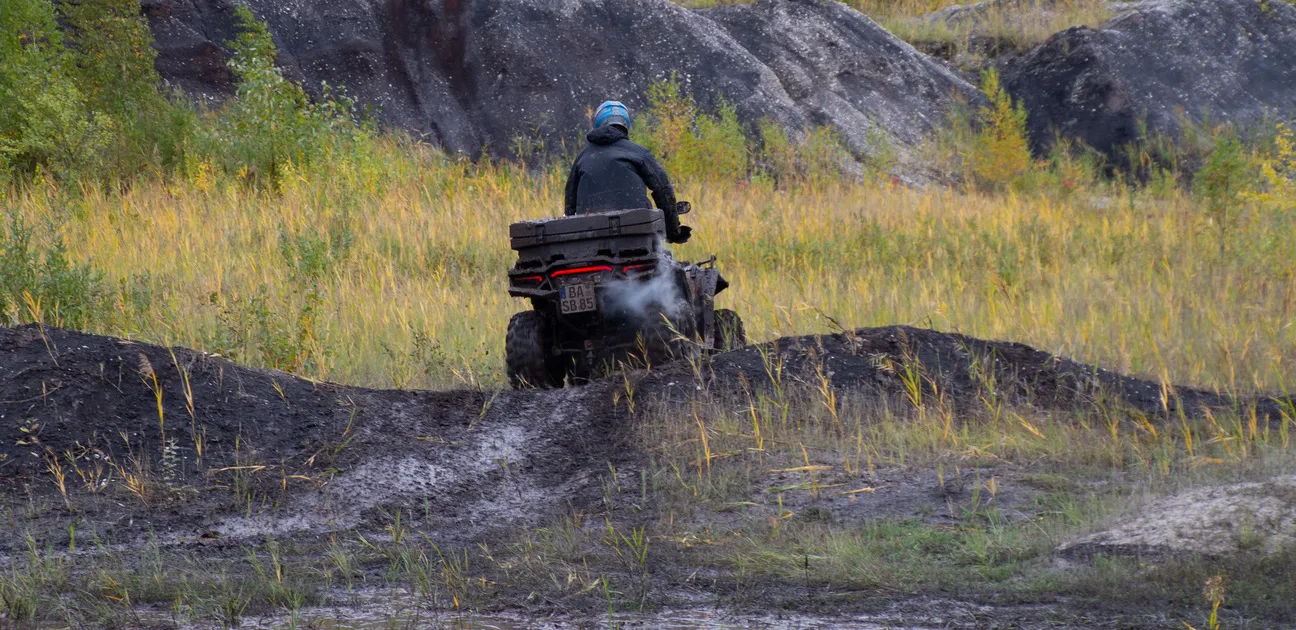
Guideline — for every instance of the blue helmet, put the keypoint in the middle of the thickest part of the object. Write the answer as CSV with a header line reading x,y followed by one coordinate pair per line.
x,y
612,113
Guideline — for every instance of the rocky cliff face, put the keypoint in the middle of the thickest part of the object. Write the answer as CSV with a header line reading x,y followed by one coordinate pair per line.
x,y
477,74
473,75
1229,60
839,68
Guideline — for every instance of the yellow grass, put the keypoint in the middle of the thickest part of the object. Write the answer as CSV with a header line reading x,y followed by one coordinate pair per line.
x,y
1137,284
1023,23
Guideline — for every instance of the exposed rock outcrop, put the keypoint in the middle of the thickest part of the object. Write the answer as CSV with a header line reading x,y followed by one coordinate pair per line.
x,y
1229,60
1213,521
474,74
842,69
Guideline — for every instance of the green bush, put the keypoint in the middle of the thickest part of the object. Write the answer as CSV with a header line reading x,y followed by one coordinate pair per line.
x,y
46,123
699,146
279,332
1071,168
311,256
271,126
777,157
111,59
79,98
78,93
47,288
689,143
817,158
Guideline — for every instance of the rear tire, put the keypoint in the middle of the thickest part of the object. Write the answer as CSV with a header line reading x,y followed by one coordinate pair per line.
x,y
526,352
729,331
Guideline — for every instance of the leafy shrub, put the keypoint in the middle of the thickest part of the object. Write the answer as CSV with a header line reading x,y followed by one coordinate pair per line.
x,y
1071,168
824,156
690,143
47,287
271,123
111,59
1278,169
777,157
78,93
816,158
281,332
46,124
950,146
310,256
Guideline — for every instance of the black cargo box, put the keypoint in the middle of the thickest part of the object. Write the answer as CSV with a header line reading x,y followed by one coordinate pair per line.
x,y
616,236
525,234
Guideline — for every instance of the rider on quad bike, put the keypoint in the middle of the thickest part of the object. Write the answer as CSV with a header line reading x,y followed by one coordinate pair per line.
x,y
612,172
604,289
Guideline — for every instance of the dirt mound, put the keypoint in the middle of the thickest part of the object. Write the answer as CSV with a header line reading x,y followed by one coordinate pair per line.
x,y
1214,521
149,438
284,454
879,360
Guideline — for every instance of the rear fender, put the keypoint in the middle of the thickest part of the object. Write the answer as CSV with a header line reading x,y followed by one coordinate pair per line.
x,y
702,283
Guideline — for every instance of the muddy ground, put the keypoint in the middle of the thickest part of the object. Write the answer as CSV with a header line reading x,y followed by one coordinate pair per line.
x,y
315,457
138,446
873,361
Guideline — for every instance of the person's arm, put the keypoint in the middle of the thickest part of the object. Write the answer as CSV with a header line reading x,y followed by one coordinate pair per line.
x,y
573,180
663,193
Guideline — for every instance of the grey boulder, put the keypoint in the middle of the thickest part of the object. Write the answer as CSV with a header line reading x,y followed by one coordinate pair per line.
x,y
841,69
1155,62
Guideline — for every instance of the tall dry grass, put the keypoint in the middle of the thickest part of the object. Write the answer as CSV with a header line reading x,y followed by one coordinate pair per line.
x,y
395,276
1016,24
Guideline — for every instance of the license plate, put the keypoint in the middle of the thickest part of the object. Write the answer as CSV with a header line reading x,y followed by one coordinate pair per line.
x,y
577,298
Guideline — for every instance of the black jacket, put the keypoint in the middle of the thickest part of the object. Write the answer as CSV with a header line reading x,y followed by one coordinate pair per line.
x,y
612,173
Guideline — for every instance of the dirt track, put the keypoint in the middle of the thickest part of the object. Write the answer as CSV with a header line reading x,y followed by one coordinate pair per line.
x,y
457,463
301,457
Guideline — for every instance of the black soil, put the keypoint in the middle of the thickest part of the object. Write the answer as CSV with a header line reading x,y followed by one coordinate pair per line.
x,y
877,362
281,454
287,456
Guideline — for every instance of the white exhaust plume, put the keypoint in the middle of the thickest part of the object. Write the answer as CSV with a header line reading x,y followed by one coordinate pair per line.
x,y
644,299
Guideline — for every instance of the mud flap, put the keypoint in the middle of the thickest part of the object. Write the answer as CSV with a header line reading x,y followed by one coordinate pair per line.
x,y
703,286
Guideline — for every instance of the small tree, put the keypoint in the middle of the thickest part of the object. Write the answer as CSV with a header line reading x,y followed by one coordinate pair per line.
x,y
1223,182
1001,155
271,122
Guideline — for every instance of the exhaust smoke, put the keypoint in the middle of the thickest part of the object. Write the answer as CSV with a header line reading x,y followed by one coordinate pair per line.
x,y
644,299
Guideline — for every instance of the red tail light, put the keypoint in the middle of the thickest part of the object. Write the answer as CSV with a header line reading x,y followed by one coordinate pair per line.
x,y
574,271
643,267
528,280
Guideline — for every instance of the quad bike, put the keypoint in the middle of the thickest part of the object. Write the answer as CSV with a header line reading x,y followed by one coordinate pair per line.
x,y
605,291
